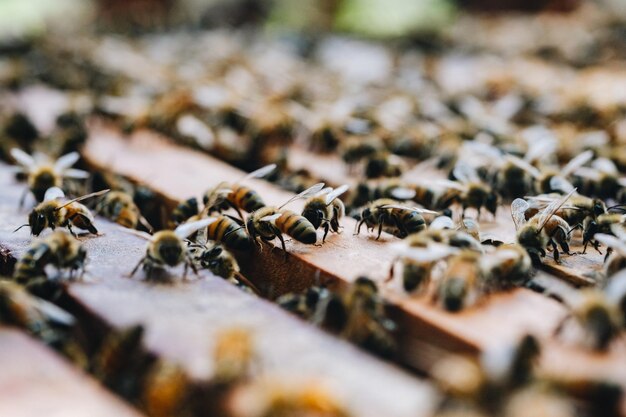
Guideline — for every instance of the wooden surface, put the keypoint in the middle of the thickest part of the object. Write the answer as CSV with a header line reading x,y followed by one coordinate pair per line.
x,y
35,382
181,318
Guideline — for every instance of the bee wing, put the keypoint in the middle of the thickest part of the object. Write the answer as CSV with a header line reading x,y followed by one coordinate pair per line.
x,y
186,229
270,218
311,191
518,208
23,158
442,222
576,163
433,252
401,207
618,230
604,165
66,161
520,163
552,208
259,173
590,173
538,149
53,193
612,242
559,183
336,193
465,173
402,193
84,197
75,173
493,259
621,182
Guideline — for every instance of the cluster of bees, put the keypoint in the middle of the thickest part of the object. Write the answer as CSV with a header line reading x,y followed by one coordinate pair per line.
x,y
433,147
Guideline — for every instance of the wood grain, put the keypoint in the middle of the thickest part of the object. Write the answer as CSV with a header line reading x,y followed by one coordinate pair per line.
x,y
36,382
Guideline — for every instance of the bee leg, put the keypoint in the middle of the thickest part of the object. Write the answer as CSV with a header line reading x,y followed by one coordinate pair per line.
x,y
141,262
380,228
555,250
326,229
608,252
596,246
282,243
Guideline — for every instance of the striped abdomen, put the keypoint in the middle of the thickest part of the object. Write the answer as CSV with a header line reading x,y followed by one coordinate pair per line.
x,y
246,199
296,226
32,264
409,221
229,232
185,210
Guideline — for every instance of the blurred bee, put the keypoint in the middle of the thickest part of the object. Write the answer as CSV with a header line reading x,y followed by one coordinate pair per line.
x,y
578,209
615,259
546,403
601,180
58,249
54,213
543,229
515,178
557,181
600,320
615,292
395,218
474,192
268,223
237,196
366,192
604,223
165,390
120,207
355,148
508,266
325,209
383,164
168,248
305,304
185,211
233,356
43,174
461,283
222,263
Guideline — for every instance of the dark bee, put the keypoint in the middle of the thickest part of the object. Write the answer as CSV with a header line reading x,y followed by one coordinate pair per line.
x,y
269,223
355,149
461,284
383,164
120,207
58,249
235,195
54,213
615,259
393,217
366,192
222,263
43,174
602,180
325,209
474,192
185,210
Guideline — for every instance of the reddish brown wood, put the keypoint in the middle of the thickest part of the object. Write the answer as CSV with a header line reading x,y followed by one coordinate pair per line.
x,y
36,382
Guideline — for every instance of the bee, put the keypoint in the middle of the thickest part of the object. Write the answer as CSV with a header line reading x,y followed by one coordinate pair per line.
x,y
165,390
474,192
615,259
120,207
54,213
399,220
237,196
185,211
222,263
168,248
268,223
556,181
600,319
602,224
543,229
508,266
436,195
515,178
325,209
384,164
366,192
58,249
462,281
356,148
615,292
601,180
43,174
579,208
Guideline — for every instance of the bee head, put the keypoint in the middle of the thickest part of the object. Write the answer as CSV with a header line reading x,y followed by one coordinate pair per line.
x,y
170,249
491,203
37,222
315,216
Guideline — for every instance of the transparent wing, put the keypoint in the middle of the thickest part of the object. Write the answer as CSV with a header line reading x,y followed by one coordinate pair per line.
x,y
402,193
66,161
465,173
54,313
336,193
605,165
443,183
538,149
612,242
76,173
186,229
442,222
520,163
518,208
23,158
271,217
618,230
552,208
561,184
85,197
53,193
576,163
401,207
311,191
259,173
590,173
433,252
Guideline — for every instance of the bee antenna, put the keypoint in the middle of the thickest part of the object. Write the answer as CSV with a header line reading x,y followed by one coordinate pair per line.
x,y
618,207
24,225
233,231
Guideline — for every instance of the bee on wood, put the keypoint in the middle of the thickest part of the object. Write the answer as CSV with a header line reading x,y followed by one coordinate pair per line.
x,y
53,213
120,207
394,217
168,248
437,194
43,174
366,192
185,211
384,164
474,192
356,148
237,196
461,283
543,229
325,209
576,212
515,178
305,304
58,249
165,390
222,263
506,267
268,223
557,181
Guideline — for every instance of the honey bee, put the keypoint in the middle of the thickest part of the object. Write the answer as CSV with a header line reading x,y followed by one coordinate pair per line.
x,y
615,292
601,180
602,224
399,220
437,195
417,260
58,249
120,207
233,356
237,196
325,209
579,208
600,319
222,263
543,229
230,232
167,248
474,192
54,213
268,223
461,283
615,259
185,211
508,266
515,178
305,304
43,174
384,164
